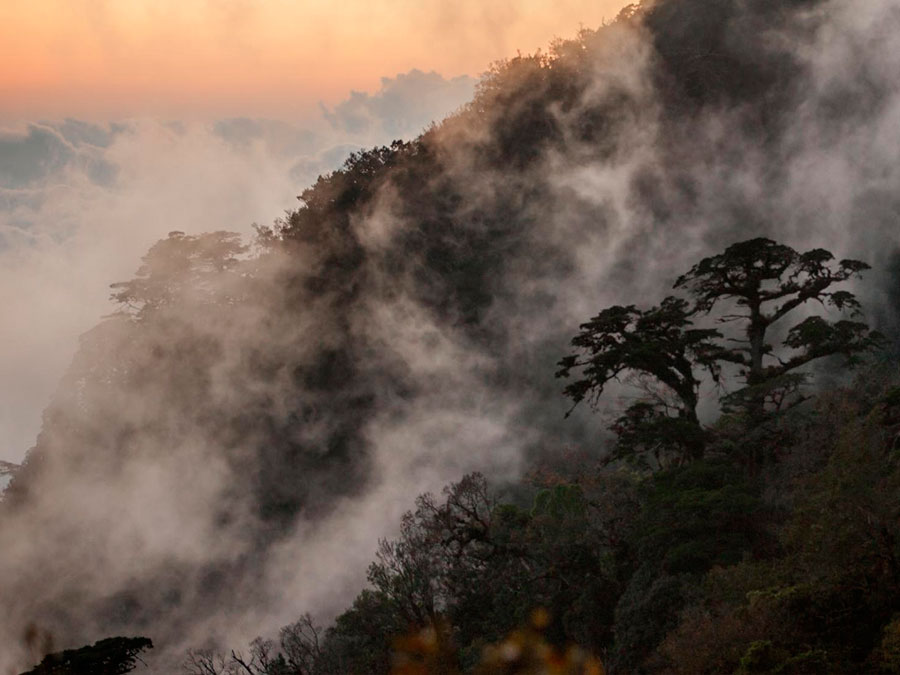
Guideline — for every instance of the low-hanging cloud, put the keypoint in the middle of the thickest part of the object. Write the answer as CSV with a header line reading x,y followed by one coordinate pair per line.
x,y
81,202
401,103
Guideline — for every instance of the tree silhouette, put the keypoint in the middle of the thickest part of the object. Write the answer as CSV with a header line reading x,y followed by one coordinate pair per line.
x,y
767,281
660,342
178,265
112,656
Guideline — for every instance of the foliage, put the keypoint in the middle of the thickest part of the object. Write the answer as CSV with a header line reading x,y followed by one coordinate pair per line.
x,y
183,267
766,281
691,569
659,342
825,601
111,656
651,439
693,518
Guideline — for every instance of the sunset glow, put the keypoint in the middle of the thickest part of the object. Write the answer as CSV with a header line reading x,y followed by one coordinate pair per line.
x,y
90,58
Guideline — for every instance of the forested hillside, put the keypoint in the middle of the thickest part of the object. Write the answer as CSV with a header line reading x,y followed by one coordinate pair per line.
x,y
232,442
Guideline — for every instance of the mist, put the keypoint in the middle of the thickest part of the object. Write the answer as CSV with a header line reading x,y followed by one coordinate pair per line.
x,y
80,203
217,463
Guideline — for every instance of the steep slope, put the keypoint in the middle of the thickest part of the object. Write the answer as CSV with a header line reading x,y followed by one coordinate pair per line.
x,y
233,442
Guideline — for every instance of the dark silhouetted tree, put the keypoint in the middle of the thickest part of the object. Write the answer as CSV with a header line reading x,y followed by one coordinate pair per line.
x,y
111,656
661,343
767,281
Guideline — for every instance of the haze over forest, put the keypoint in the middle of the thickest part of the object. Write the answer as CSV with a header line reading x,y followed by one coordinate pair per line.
x,y
224,449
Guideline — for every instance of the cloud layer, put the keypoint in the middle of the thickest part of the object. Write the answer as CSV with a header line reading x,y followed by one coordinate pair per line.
x,y
80,203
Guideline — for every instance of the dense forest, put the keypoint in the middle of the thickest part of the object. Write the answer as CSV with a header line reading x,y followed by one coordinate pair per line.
x,y
635,306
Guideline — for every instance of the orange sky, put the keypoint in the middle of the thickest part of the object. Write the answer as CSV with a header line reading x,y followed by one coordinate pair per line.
x,y
209,58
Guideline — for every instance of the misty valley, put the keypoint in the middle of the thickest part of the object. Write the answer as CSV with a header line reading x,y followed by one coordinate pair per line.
x,y
600,374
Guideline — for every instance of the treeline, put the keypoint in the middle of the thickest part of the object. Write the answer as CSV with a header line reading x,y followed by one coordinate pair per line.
x,y
764,542
698,568
693,569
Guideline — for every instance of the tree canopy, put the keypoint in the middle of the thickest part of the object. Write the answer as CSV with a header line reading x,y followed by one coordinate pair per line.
x,y
111,656
767,281
753,284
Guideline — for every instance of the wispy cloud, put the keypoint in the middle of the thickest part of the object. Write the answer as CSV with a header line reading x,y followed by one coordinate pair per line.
x,y
80,203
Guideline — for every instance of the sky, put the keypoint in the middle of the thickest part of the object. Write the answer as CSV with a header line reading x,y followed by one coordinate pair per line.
x,y
122,120
103,59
